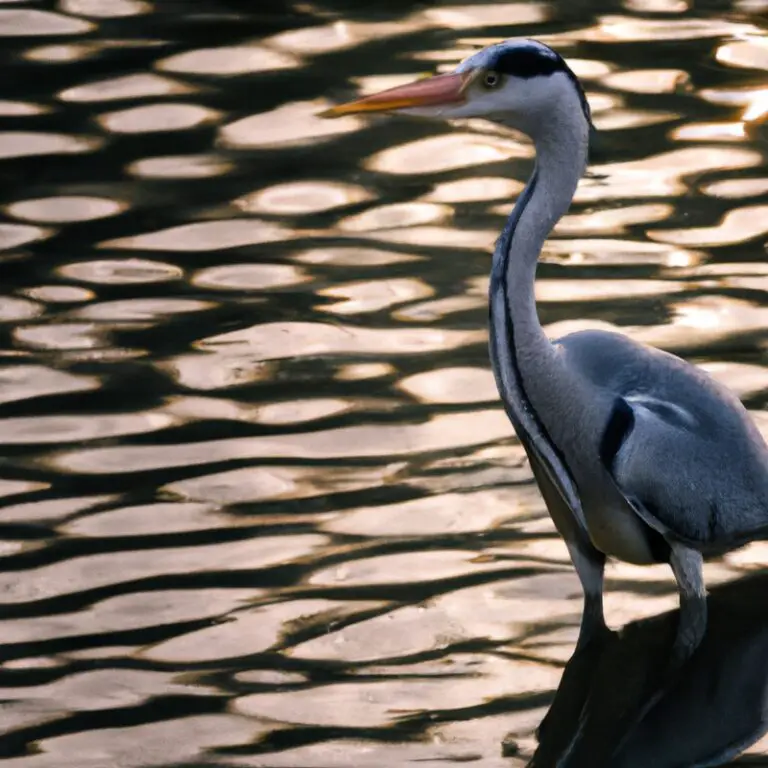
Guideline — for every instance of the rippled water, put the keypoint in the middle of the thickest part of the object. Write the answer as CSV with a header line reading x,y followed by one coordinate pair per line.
x,y
261,506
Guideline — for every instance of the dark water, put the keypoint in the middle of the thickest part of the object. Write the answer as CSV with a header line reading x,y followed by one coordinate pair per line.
x,y
261,506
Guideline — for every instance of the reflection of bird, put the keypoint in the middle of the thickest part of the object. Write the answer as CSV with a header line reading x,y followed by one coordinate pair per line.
x,y
714,711
638,454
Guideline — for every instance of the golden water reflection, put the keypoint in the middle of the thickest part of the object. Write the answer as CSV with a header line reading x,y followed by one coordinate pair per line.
x,y
26,22
302,197
158,117
445,153
295,123
61,209
203,236
179,167
230,60
261,503
127,87
28,143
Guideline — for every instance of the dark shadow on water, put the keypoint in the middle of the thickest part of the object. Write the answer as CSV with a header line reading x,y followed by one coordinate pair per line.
x,y
711,714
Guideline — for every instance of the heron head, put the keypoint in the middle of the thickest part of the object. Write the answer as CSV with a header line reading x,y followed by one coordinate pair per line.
x,y
521,83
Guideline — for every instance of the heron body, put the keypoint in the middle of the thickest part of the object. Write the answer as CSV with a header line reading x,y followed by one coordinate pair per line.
x,y
639,455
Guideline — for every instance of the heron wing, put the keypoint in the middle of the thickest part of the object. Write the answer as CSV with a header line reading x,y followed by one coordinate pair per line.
x,y
680,447
699,481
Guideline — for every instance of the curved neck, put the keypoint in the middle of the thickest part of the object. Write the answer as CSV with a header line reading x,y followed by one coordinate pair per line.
x,y
522,358
560,162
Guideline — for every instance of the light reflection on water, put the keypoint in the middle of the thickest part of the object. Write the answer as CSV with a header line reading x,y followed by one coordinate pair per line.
x,y
261,506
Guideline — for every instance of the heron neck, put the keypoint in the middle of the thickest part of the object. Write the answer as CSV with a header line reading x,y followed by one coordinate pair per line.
x,y
524,362
560,163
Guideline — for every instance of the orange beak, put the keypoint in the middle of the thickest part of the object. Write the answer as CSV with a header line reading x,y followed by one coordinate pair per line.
x,y
430,92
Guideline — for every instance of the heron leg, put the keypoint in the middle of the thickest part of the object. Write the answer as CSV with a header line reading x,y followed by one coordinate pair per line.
x,y
687,565
590,566
593,633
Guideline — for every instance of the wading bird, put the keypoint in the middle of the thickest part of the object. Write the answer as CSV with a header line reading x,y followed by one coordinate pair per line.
x,y
638,454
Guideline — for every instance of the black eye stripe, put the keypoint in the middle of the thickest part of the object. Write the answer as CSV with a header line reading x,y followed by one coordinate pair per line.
x,y
525,61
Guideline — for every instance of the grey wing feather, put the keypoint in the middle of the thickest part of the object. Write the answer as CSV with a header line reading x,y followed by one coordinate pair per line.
x,y
684,452
703,488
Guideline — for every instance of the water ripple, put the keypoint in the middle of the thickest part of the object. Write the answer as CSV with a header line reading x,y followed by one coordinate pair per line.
x,y
260,503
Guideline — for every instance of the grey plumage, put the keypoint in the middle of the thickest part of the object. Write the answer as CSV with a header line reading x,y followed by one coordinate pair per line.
x,y
665,463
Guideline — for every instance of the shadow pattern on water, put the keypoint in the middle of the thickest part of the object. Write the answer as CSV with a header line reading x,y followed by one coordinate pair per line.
x,y
261,505
613,708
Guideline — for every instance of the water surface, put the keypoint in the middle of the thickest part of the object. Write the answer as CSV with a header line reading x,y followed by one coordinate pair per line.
x,y
261,505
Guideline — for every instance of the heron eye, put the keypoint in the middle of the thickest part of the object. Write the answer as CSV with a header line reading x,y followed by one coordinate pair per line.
x,y
492,79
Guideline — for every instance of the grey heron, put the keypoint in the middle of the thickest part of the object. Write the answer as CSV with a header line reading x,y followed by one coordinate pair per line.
x,y
638,454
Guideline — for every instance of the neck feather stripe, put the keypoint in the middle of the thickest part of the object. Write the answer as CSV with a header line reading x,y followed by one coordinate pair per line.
x,y
517,405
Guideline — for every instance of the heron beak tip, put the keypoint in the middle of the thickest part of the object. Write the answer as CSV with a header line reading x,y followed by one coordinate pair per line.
x,y
428,92
339,110
329,114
